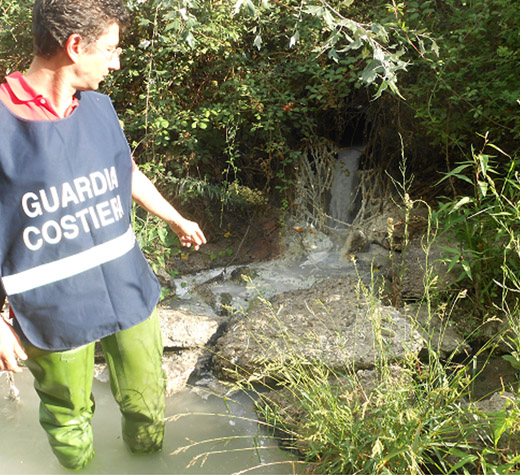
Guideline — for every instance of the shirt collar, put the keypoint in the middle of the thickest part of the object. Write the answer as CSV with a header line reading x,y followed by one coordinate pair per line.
x,y
21,88
24,93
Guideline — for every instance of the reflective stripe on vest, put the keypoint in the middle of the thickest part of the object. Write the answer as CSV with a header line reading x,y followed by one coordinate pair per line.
x,y
69,266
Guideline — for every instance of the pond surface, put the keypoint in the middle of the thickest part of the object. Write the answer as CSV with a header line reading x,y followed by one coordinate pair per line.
x,y
24,448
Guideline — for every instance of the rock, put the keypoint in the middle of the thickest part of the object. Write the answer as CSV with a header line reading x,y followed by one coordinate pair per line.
x,y
181,329
494,409
179,367
416,260
240,274
333,322
165,279
101,372
497,402
441,334
391,219
189,332
377,258
302,240
355,242
367,380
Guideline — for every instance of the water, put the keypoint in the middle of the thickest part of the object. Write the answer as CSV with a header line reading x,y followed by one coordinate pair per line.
x,y
24,448
270,278
344,185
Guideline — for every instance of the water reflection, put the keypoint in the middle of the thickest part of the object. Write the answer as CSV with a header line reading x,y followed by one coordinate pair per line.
x,y
24,448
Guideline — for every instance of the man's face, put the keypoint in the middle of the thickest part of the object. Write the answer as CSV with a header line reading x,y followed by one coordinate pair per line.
x,y
99,58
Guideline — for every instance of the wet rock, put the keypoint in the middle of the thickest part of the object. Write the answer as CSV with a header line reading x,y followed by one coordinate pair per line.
x,y
206,295
181,329
303,240
333,322
178,368
239,274
388,227
190,333
184,336
101,372
225,303
165,279
355,242
376,258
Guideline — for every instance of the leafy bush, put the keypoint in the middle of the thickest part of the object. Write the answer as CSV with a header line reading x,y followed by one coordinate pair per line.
x,y
473,84
485,222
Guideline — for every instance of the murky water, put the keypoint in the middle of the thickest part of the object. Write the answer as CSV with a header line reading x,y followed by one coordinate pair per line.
x,y
24,448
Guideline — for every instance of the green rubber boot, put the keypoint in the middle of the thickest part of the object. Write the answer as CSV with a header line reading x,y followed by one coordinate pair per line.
x,y
137,380
63,381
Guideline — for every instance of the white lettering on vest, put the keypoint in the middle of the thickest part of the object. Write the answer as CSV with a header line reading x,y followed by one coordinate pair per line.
x,y
68,195
70,228
81,215
99,183
83,188
117,207
52,237
112,177
30,245
79,190
31,208
104,212
55,200
93,216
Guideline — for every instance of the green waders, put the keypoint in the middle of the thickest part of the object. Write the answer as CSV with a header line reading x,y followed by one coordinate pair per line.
x,y
63,381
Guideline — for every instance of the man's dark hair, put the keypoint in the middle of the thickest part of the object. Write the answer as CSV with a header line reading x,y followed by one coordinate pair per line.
x,y
55,20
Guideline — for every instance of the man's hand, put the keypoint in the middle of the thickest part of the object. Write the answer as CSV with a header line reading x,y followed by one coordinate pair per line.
x,y
189,233
10,348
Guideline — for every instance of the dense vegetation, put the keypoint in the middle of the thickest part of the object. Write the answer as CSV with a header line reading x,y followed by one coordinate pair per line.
x,y
220,98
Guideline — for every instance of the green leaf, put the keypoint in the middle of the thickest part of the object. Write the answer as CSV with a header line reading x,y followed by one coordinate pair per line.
x,y
500,424
463,201
467,269
514,361
250,8
483,187
294,39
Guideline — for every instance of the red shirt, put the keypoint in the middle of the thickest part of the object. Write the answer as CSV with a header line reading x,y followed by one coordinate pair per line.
x,y
25,102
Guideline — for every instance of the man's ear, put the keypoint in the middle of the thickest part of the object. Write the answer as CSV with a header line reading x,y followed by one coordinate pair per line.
x,y
74,46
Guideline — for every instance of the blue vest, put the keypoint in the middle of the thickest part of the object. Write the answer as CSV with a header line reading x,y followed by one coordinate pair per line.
x,y
69,260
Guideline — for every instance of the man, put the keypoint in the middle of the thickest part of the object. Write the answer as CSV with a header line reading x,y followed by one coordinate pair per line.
x,y
69,261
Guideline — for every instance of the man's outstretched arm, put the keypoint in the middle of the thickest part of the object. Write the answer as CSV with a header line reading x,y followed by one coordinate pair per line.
x,y
146,194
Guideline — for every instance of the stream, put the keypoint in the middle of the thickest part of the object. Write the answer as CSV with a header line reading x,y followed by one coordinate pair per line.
x,y
24,448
